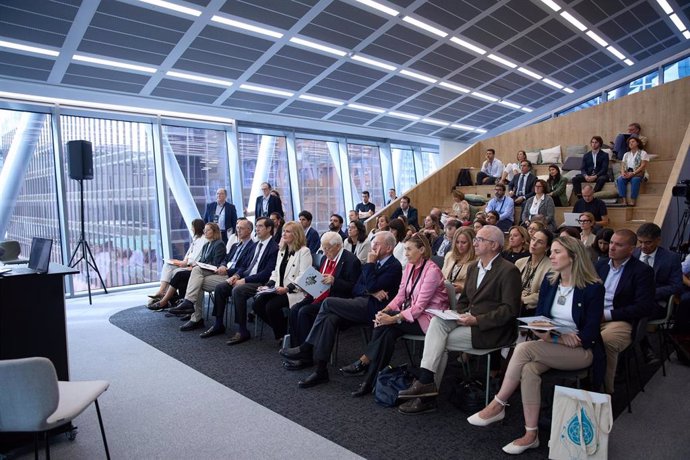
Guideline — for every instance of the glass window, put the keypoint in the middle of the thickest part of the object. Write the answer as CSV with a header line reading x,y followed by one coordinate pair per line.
x,y
403,170
200,168
429,162
677,70
27,181
319,178
648,81
365,173
263,158
585,105
121,206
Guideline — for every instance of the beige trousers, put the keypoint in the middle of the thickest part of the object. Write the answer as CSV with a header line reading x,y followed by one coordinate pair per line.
x,y
617,336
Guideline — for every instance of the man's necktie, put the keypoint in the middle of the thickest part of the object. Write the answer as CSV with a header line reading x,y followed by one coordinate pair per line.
x,y
256,257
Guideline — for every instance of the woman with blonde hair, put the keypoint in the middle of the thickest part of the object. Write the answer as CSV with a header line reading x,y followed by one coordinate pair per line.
x,y
517,244
587,235
294,258
572,296
458,259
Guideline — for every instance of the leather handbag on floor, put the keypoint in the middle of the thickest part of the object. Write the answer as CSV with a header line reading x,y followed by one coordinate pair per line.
x,y
468,395
580,424
389,382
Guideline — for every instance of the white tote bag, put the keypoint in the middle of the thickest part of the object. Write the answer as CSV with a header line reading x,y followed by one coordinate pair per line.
x,y
580,424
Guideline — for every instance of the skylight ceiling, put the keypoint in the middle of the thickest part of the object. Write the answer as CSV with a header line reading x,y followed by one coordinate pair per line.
x,y
444,68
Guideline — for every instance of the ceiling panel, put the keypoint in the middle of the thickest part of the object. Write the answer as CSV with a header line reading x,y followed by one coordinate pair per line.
x,y
18,20
253,102
343,25
106,79
20,66
282,14
307,109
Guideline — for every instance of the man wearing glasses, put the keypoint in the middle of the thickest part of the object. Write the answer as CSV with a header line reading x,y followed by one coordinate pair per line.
x,y
522,186
503,206
488,309
594,169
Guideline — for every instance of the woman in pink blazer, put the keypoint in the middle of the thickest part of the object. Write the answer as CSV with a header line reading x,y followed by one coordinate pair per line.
x,y
421,287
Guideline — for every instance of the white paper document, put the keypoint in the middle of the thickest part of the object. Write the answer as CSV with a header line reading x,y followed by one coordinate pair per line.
x,y
444,314
213,268
543,323
311,282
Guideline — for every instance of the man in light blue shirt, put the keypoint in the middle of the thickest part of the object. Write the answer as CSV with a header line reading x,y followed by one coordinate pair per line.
x,y
503,206
492,169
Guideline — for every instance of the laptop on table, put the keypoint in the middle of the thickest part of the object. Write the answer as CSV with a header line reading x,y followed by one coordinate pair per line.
x,y
39,259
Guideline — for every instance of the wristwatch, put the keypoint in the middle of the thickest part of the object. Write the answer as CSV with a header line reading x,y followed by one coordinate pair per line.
x,y
399,318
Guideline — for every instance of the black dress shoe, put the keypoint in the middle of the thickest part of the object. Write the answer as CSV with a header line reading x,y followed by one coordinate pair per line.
x,y
237,339
649,357
297,364
185,317
191,325
363,390
315,378
294,353
212,331
356,368
418,406
185,307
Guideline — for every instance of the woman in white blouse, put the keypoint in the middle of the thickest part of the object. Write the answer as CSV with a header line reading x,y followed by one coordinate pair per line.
x,y
173,265
397,228
540,204
357,241
633,170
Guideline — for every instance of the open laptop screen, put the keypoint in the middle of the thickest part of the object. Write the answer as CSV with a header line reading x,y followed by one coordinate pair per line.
x,y
39,259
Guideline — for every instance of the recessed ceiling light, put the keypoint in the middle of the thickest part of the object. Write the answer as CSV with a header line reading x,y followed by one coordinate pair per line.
x,y
463,127
467,45
187,76
406,116
486,97
323,100
679,24
569,90
245,26
526,109
480,130
574,21
30,49
552,83
418,76
110,63
374,62
318,46
366,108
434,121
425,26
503,61
261,89
597,39
665,6
512,105
173,6
530,73
380,7
457,88
686,34
551,4
615,52
629,62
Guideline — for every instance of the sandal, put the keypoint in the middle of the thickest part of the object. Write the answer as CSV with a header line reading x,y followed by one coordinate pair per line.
x,y
157,306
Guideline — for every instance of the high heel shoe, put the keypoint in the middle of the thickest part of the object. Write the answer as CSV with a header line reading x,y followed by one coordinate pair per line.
x,y
476,420
514,449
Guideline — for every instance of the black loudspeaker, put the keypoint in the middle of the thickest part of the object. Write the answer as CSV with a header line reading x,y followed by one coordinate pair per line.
x,y
80,160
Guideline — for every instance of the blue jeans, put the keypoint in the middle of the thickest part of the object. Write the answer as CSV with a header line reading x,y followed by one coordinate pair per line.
x,y
622,183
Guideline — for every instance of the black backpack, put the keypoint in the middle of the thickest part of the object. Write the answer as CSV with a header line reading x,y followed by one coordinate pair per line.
x,y
464,178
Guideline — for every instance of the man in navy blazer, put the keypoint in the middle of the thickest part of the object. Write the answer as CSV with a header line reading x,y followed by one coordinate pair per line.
x,y
407,211
629,297
379,282
340,270
313,241
668,276
256,273
520,192
222,213
267,203
594,169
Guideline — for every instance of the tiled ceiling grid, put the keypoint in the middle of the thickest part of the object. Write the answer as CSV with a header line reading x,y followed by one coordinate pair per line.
x,y
526,32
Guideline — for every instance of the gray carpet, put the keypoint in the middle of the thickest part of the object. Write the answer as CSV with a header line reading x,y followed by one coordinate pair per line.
x,y
360,425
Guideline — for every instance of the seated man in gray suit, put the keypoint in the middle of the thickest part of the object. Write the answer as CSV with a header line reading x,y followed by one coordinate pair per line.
x,y
489,307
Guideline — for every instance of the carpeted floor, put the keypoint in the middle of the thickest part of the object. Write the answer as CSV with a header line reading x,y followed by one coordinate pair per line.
x,y
358,424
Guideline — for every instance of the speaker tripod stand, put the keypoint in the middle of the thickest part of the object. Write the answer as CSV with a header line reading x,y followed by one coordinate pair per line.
x,y
83,245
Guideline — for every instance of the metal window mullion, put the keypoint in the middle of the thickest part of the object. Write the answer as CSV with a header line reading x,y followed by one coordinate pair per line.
x,y
61,192
386,168
235,168
161,189
345,175
293,174
418,170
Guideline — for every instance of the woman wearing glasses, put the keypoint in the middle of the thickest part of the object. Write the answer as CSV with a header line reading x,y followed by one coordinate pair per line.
x,y
540,204
572,295
587,236
533,269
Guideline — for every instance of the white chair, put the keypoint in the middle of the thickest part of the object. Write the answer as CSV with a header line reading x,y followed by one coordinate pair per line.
x,y
32,400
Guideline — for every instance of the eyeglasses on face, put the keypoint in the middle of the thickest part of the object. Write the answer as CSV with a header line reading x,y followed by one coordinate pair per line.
x,y
479,239
582,221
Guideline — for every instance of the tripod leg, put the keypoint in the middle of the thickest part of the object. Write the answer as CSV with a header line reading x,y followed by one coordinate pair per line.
x,y
94,266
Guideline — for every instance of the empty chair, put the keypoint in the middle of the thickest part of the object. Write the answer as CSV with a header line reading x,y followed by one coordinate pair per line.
x,y
32,399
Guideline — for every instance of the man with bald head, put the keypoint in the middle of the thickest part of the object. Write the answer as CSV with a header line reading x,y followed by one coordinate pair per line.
x,y
378,282
222,213
488,309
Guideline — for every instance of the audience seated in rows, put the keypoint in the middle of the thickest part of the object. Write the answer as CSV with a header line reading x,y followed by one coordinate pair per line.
x,y
357,242
633,171
594,169
517,244
421,288
407,211
539,204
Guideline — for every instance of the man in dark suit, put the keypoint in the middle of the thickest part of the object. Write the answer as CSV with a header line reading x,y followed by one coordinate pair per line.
x,y
222,213
267,203
407,211
311,234
336,225
629,297
379,281
340,270
521,187
248,279
668,276
489,306
594,169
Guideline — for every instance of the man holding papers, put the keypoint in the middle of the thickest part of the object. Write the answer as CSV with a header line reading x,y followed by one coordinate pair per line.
x,y
489,305
340,270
